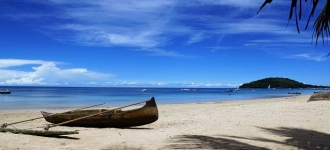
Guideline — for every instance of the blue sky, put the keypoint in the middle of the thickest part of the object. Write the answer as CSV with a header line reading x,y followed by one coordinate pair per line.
x,y
155,43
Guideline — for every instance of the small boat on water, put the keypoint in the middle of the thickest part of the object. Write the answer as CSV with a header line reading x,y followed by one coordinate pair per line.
x,y
294,93
229,90
5,91
113,118
185,90
144,90
195,90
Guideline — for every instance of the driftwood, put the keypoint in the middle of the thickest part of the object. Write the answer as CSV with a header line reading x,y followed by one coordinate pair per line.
x,y
38,132
320,96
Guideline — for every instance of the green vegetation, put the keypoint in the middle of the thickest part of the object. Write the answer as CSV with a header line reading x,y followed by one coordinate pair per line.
x,y
321,23
278,83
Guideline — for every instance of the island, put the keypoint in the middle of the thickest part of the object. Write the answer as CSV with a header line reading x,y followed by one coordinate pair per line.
x,y
278,82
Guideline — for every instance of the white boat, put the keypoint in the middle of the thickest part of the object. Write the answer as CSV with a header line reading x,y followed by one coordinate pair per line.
x,y
5,91
144,90
194,90
269,86
185,89
237,89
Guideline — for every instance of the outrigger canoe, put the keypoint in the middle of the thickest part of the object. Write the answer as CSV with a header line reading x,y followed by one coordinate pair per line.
x,y
116,118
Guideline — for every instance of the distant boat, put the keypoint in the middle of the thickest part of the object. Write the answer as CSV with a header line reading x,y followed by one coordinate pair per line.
x,y
194,90
5,91
237,89
294,93
185,89
229,90
269,86
144,90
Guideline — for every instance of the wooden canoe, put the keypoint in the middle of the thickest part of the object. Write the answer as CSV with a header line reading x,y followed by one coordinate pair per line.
x,y
119,119
38,132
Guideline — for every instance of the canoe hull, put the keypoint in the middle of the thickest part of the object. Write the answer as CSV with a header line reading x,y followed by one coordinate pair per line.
x,y
136,117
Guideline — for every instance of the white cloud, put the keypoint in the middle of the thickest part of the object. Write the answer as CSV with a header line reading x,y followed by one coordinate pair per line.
x,y
152,25
231,3
169,84
160,52
196,38
139,23
309,56
46,73
193,84
4,63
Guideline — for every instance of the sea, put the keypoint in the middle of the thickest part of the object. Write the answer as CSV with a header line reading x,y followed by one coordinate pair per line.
x,y
45,98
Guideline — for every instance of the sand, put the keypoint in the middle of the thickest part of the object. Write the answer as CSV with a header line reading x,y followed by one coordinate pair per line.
x,y
278,123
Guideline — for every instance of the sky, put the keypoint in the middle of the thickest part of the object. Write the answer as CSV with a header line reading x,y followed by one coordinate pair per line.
x,y
156,43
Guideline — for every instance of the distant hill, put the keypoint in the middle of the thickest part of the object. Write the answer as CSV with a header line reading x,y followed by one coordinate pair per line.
x,y
278,83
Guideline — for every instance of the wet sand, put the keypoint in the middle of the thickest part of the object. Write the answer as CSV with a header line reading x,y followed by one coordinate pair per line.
x,y
278,123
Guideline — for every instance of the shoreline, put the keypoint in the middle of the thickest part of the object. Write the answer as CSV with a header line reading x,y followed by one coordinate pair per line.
x,y
38,109
275,123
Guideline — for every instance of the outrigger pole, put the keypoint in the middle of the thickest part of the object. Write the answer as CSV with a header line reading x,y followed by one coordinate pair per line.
x,y
6,124
62,123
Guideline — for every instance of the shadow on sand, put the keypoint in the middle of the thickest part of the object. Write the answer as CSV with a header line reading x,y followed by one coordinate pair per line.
x,y
295,137
63,137
299,138
208,142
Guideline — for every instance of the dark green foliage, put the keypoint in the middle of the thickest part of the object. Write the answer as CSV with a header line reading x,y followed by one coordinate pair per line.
x,y
278,83
321,24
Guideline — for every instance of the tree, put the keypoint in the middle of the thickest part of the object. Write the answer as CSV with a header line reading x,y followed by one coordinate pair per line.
x,y
321,24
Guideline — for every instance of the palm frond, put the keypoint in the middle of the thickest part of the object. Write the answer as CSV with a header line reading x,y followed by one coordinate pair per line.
x,y
315,2
321,24
264,4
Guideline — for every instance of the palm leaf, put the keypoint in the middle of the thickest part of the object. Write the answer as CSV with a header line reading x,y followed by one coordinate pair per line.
x,y
315,2
321,24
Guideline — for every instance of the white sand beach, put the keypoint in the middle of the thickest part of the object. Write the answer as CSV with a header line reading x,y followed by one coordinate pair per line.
x,y
278,123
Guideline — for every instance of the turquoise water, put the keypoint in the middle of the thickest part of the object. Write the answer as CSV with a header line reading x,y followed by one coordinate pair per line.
x,y
68,97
